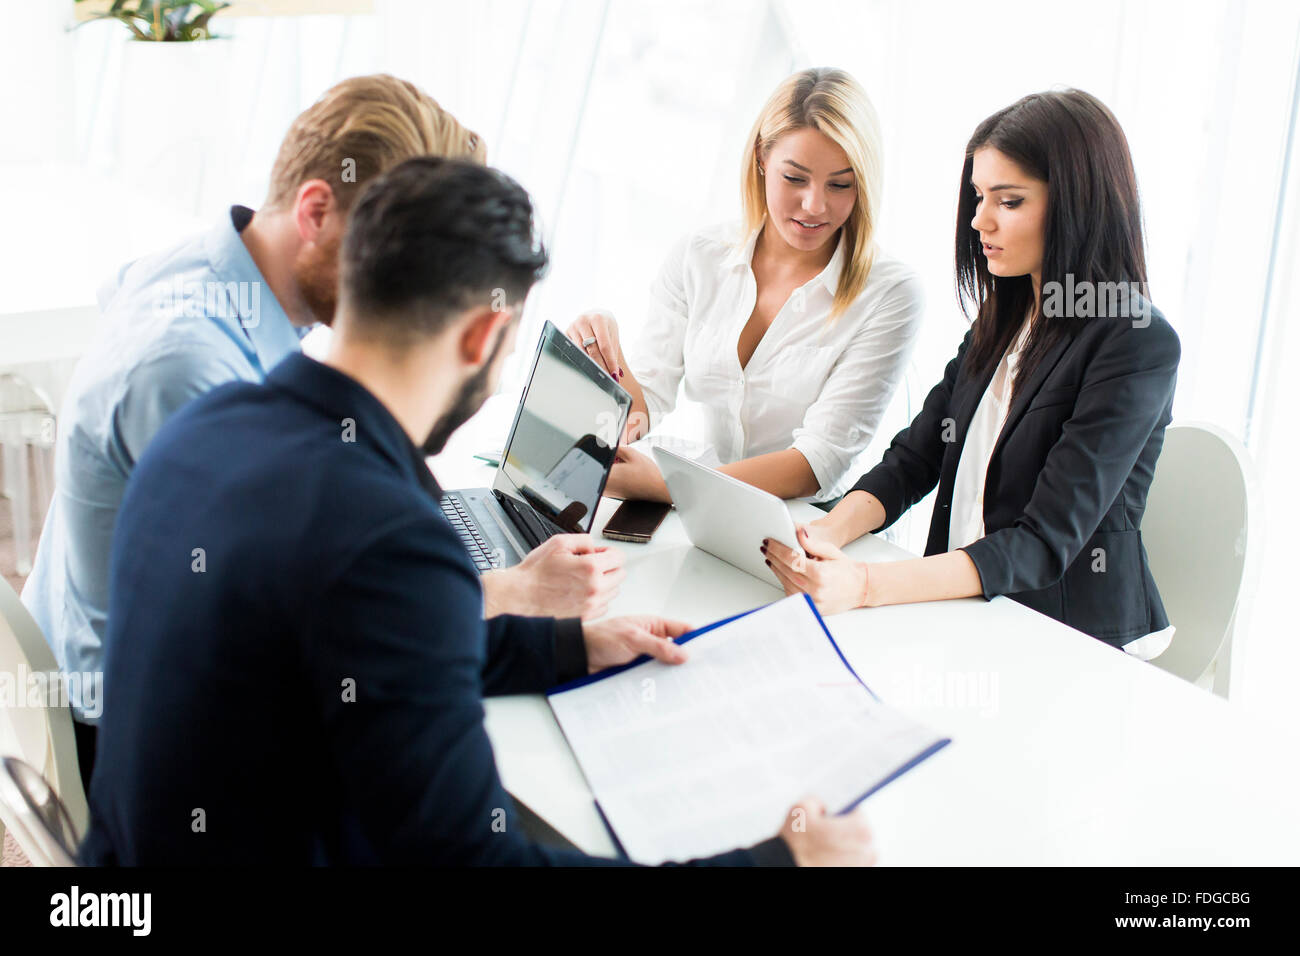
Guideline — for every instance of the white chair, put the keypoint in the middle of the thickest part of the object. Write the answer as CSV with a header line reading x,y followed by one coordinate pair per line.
x,y
26,434
1202,536
35,815
37,731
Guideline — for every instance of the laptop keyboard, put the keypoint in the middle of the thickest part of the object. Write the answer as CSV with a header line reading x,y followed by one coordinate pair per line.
x,y
480,551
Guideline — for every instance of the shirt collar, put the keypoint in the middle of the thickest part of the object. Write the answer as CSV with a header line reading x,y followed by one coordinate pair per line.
x,y
1022,337
256,312
742,254
342,397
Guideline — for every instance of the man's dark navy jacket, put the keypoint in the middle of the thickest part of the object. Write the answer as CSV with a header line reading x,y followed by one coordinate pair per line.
x,y
296,655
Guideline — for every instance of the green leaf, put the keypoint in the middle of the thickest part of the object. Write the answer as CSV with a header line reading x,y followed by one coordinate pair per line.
x,y
164,20
199,28
125,18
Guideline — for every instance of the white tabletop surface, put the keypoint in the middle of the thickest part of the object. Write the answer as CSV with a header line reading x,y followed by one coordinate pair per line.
x,y
1065,750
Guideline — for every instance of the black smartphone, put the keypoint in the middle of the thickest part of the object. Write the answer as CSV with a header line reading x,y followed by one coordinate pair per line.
x,y
636,521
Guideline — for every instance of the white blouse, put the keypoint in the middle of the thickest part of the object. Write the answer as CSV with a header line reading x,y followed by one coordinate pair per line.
x,y
966,524
818,387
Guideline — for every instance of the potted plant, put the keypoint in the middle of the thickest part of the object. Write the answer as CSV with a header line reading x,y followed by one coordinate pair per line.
x,y
163,21
166,144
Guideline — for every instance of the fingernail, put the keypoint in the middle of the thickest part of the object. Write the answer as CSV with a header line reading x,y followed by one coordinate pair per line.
x,y
768,563
763,548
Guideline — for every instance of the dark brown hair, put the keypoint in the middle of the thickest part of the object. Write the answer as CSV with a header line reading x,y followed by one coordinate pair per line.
x,y
431,237
1092,229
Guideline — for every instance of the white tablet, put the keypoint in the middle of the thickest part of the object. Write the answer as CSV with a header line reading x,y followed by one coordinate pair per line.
x,y
724,516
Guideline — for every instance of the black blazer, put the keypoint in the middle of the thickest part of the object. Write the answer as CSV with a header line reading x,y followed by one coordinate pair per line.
x,y
1067,481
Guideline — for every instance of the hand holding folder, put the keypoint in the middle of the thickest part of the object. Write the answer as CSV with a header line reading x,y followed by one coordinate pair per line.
x,y
687,761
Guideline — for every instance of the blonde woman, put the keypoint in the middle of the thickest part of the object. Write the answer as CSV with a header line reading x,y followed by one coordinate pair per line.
x,y
789,331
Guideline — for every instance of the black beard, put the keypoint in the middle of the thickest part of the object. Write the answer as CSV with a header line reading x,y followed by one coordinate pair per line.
x,y
471,398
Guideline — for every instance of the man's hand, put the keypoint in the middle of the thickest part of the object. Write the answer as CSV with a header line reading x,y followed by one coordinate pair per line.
x,y
636,476
568,575
816,839
621,639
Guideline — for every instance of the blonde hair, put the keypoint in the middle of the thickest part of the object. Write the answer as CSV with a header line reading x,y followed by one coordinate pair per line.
x,y
833,103
360,128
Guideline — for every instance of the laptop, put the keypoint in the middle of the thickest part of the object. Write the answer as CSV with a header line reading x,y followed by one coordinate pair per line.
x,y
554,465
724,516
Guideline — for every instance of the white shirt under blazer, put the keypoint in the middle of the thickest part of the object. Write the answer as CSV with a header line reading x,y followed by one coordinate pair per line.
x,y
813,385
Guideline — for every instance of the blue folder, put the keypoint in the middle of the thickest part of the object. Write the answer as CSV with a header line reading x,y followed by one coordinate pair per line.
x,y
691,635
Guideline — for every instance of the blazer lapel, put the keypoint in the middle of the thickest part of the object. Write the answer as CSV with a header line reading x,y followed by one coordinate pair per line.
x,y
969,395
1030,389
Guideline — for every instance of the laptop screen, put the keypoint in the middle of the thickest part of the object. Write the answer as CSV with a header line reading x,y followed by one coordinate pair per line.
x,y
565,434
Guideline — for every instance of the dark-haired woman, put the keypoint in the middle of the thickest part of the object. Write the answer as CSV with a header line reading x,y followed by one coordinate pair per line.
x,y
1044,433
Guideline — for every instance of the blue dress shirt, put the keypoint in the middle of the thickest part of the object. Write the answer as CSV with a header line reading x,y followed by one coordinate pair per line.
x,y
173,326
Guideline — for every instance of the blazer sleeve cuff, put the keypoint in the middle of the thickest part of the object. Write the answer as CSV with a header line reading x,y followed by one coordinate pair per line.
x,y
988,561
880,483
772,852
570,650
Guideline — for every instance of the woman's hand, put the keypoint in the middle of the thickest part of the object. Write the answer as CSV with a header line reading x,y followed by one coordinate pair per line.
x,y
834,582
636,476
824,530
606,350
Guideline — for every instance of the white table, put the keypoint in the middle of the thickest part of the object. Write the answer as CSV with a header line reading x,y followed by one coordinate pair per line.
x,y
1065,750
